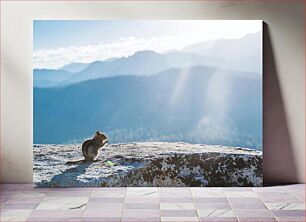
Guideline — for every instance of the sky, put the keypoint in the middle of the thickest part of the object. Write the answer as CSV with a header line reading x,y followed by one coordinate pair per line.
x,y
60,42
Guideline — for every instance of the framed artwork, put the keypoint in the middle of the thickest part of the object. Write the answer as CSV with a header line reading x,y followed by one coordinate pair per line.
x,y
147,103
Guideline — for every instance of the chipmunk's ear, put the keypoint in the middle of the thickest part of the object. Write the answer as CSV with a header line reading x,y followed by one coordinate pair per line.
x,y
98,132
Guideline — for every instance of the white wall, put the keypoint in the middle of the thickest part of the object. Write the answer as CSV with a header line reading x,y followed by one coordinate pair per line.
x,y
284,76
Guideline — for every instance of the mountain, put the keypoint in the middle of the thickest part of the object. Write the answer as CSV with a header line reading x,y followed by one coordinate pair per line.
x,y
249,65
49,77
248,46
242,54
141,63
198,48
74,67
194,104
149,62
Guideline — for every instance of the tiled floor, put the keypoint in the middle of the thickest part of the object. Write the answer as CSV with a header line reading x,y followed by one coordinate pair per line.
x,y
21,202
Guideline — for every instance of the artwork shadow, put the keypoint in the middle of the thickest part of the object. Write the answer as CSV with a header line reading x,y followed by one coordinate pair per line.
x,y
278,160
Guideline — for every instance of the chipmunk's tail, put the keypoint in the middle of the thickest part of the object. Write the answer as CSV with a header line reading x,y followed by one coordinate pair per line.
x,y
75,161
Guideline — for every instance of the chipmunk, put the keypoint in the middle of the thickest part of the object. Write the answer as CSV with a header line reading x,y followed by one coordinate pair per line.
x,y
91,147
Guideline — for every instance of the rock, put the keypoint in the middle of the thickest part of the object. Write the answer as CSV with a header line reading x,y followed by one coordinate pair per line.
x,y
148,164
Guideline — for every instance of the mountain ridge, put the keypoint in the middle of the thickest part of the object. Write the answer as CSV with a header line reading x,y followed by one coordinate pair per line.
x,y
149,62
130,108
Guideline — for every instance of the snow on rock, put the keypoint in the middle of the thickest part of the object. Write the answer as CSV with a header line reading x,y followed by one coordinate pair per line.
x,y
148,164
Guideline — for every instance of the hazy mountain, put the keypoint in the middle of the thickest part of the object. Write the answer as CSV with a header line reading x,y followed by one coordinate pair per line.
x,y
249,65
236,54
182,60
195,105
244,54
141,63
249,45
198,48
74,67
49,77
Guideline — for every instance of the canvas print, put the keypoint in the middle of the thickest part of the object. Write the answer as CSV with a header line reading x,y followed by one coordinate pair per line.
x,y
147,103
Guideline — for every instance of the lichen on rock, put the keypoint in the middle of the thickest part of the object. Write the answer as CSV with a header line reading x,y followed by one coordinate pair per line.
x,y
148,164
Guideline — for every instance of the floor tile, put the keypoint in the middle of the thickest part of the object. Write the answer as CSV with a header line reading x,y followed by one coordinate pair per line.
x,y
62,203
274,193
107,193
176,200
240,194
206,188
3,200
208,193
176,192
6,194
103,213
254,219
281,200
27,194
236,205
177,206
14,214
98,205
210,200
289,213
56,214
28,187
285,206
253,213
20,206
295,186
10,187
216,213
67,189
237,189
142,200
101,219
291,219
213,205
175,189
300,195
251,200
55,219
141,192
179,219
106,200
218,219
142,213
275,189
178,213
278,198
176,195
140,219
109,189
25,200
68,194
141,206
